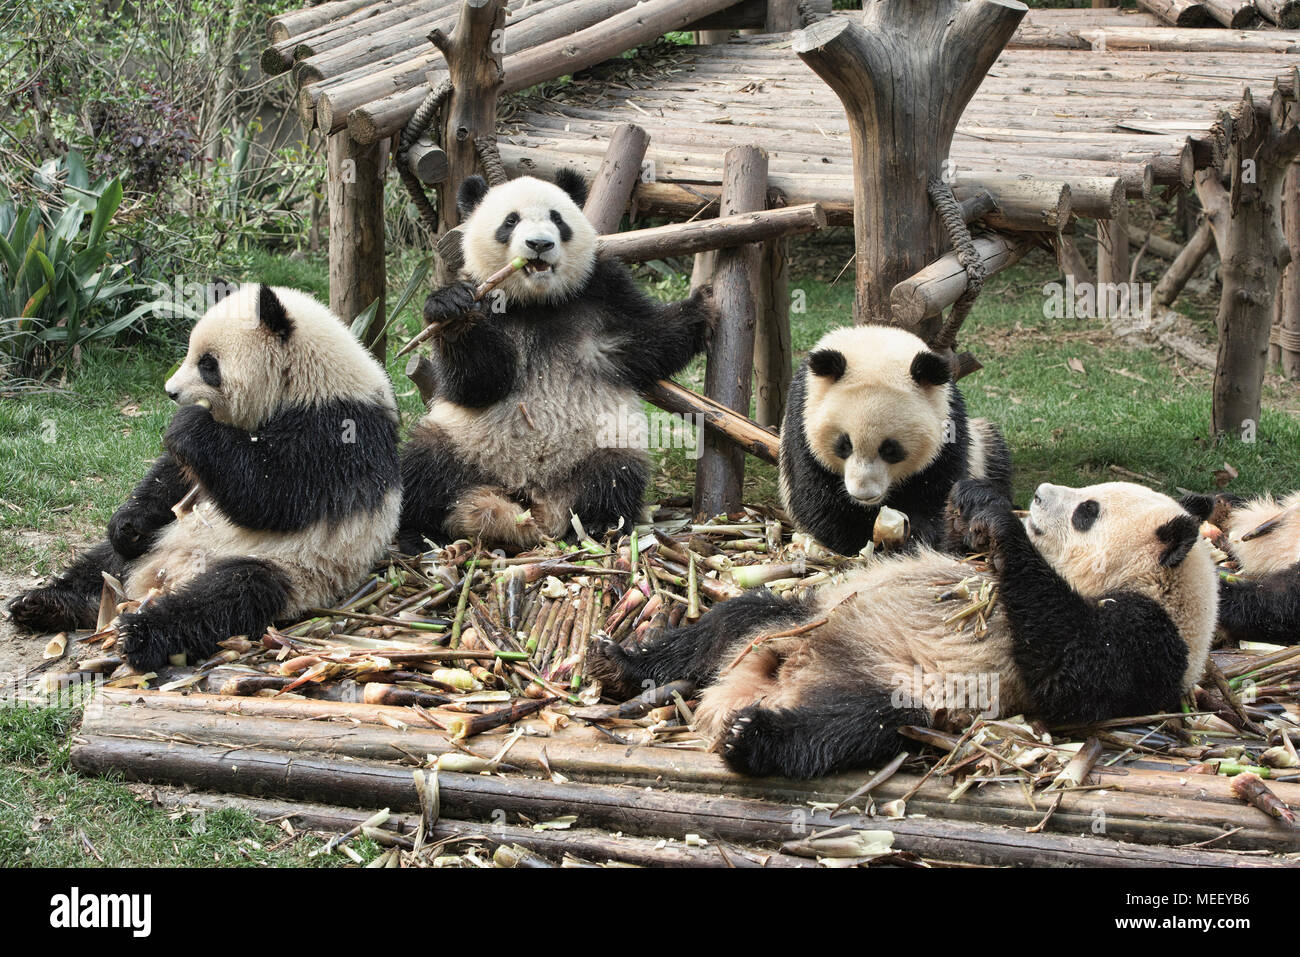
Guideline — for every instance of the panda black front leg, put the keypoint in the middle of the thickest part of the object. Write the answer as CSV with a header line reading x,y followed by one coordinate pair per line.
x,y
433,479
235,596
695,651
135,525
71,600
453,306
841,728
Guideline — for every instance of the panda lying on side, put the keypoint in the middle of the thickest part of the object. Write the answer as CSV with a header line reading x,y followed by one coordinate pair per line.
x,y
1105,607
536,413
1263,602
295,455
874,419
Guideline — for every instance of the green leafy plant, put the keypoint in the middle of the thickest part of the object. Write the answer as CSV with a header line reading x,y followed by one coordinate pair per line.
x,y
58,287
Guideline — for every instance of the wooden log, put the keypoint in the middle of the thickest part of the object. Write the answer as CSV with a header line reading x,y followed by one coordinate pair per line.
x,y
1252,252
1236,14
428,161
650,812
356,241
936,287
582,843
1184,265
474,66
352,30
1192,41
1178,13
606,39
773,346
905,76
1022,203
684,239
728,375
300,21
619,171
1153,242
740,430
1074,267
1112,249
1286,333
1285,13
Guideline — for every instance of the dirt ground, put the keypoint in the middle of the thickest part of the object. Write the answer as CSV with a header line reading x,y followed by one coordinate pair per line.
x,y
19,650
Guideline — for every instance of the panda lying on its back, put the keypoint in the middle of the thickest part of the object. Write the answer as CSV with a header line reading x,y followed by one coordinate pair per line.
x,y
296,459
874,419
1105,607
536,413
1262,602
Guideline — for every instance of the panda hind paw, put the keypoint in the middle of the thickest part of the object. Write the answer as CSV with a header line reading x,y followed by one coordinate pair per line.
x,y
52,608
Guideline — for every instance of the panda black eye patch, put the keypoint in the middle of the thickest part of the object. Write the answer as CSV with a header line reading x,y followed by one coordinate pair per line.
x,y
506,228
1085,515
566,231
892,452
843,447
210,370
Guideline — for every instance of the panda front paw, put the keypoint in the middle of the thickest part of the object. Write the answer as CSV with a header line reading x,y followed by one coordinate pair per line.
x,y
607,663
978,514
703,315
453,306
129,534
145,645
187,432
755,745
1214,509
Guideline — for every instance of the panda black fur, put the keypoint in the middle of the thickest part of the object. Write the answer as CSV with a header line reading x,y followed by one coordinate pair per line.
x,y
1262,601
296,460
1105,607
530,392
873,419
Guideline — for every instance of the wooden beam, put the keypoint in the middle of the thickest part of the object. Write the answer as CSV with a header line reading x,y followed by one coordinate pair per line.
x,y
355,191
740,430
684,239
936,287
1235,14
1178,13
728,376
618,174
1285,13
905,75
1184,265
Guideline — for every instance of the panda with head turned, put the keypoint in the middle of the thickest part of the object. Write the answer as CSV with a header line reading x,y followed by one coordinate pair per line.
x,y
874,419
288,426
1262,601
1105,607
536,416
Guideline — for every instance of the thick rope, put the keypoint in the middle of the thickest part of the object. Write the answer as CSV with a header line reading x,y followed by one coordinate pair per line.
x,y
945,203
1287,340
494,171
806,12
416,127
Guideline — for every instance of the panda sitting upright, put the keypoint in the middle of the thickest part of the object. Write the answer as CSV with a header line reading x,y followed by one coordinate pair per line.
x,y
533,382
288,426
874,420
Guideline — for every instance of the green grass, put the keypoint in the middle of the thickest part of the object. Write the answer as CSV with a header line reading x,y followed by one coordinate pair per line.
x,y
68,458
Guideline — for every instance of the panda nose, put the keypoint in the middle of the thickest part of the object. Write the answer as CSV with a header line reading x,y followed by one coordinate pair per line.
x,y
538,245
173,394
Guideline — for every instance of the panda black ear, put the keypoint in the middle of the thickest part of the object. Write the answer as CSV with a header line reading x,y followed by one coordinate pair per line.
x,y
930,368
270,312
571,181
470,194
219,289
1179,534
827,363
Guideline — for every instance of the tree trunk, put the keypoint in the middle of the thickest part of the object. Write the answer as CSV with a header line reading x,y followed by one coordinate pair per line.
x,y
356,247
905,76
720,472
473,56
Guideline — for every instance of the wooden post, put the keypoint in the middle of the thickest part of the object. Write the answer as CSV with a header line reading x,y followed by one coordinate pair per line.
x,y
1253,253
773,351
1287,329
473,54
904,75
618,174
1112,250
1184,264
720,472
782,16
356,245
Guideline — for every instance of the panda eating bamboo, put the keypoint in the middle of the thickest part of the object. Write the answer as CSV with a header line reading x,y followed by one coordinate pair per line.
x,y
533,382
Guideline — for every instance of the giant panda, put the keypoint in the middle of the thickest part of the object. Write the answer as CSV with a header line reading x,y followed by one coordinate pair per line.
x,y
536,415
1262,601
874,419
1103,605
289,428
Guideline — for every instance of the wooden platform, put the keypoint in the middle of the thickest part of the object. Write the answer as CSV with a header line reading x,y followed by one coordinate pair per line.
x,y
1059,114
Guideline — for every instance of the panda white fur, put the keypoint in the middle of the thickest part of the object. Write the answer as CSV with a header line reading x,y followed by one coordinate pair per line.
x,y
1105,606
296,460
1262,601
874,419
536,413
